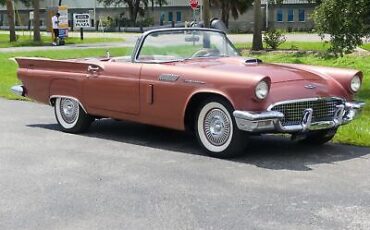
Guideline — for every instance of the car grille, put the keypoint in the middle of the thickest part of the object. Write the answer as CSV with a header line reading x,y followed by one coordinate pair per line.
x,y
323,110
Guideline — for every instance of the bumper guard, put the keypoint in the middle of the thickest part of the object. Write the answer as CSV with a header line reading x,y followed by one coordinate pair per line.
x,y
271,121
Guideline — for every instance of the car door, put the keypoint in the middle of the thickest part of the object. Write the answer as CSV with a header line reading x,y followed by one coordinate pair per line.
x,y
113,88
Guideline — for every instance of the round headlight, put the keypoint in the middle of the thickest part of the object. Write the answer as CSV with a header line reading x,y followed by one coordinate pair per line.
x,y
356,83
262,90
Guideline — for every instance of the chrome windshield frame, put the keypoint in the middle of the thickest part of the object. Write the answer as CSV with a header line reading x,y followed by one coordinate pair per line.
x,y
140,42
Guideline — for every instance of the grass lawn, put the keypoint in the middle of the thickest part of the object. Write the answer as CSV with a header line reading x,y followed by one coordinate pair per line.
x,y
366,46
292,45
26,40
357,133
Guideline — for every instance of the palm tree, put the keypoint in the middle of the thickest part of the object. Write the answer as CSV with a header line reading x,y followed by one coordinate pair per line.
x,y
36,25
257,33
10,10
235,7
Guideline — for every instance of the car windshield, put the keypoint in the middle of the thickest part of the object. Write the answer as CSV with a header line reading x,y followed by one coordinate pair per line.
x,y
178,45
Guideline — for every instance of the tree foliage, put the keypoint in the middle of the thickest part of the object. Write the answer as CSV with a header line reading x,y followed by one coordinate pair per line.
x,y
233,7
346,22
135,7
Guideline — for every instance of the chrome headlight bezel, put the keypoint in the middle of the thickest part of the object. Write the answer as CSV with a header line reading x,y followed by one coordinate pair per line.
x,y
262,90
355,84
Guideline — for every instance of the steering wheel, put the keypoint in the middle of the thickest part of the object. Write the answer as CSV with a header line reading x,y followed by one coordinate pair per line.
x,y
206,52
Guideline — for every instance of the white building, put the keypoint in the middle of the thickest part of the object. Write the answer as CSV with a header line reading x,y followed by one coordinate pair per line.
x,y
292,15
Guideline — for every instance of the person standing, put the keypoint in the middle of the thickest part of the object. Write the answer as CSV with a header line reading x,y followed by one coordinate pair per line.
x,y
55,24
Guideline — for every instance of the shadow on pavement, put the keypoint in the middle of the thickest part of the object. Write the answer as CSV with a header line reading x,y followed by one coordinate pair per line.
x,y
270,152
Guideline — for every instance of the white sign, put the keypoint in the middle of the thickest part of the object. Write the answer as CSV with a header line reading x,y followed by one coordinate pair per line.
x,y
31,15
81,20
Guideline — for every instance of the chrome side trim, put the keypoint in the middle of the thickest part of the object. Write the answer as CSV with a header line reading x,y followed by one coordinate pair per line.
x,y
57,96
189,81
18,90
168,77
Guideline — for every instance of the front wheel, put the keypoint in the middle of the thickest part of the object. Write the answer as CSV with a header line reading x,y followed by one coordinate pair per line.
x,y
216,130
319,137
70,116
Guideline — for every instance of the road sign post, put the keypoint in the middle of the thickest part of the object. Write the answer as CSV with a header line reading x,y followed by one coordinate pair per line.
x,y
194,5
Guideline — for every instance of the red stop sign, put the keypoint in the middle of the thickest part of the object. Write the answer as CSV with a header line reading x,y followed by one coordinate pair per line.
x,y
194,4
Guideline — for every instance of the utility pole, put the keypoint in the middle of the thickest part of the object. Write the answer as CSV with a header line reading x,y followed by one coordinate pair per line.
x,y
267,15
206,13
95,15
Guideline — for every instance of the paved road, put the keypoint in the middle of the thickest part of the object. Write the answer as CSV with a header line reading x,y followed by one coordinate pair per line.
x,y
128,176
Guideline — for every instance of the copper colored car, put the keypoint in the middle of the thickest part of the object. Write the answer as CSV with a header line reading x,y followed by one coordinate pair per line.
x,y
194,79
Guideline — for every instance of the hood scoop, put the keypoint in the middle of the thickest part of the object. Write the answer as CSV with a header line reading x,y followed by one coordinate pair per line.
x,y
253,61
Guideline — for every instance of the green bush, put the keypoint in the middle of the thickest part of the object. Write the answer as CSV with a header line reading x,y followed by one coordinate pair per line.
x,y
274,38
146,22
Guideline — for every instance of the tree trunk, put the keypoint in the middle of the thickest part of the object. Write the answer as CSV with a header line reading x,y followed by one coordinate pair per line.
x,y
36,24
223,13
133,11
10,9
257,33
131,14
206,14
227,19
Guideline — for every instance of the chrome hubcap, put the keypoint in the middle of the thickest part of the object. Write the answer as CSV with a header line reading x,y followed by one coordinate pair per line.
x,y
69,110
217,127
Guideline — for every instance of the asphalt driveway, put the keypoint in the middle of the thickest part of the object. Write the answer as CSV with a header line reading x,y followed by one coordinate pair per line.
x,y
128,176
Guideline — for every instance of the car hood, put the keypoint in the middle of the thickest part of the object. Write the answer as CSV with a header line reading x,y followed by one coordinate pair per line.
x,y
239,65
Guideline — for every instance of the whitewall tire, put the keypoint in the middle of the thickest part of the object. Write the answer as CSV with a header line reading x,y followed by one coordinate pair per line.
x,y
216,130
70,115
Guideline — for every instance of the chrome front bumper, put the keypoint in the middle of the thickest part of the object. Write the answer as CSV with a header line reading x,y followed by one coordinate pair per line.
x,y
270,121
18,90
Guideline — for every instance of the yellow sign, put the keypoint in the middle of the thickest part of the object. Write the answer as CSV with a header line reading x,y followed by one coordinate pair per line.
x,y
63,19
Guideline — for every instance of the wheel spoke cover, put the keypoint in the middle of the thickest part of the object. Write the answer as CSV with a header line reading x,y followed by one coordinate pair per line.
x,y
217,127
69,110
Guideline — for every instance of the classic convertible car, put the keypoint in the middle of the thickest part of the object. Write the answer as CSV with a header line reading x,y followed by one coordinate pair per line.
x,y
194,79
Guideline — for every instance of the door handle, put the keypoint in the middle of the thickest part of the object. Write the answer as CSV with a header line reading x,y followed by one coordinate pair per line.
x,y
92,69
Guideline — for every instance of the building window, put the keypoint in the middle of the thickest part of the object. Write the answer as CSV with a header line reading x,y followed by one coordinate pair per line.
x,y
302,15
290,15
178,16
170,16
279,15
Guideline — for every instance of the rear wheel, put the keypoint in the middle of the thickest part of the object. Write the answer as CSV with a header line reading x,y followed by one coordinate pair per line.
x,y
70,115
319,137
217,131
